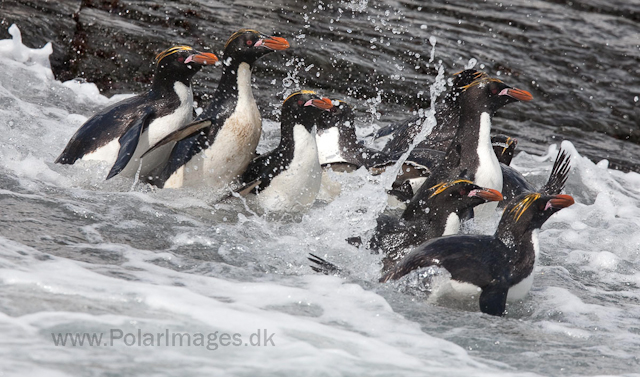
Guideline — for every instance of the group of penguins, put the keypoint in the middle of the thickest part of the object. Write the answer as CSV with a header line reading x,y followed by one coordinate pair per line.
x,y
457,173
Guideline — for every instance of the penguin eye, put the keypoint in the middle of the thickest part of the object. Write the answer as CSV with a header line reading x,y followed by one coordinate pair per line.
x,y
494,90
249,42
463,193
300,102
180,59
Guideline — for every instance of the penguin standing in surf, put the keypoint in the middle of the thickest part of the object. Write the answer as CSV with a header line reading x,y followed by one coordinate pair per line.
x,y
491,269
122,132
216,149
288,178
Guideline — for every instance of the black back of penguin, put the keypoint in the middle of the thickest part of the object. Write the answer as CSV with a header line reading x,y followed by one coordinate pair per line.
x,y
233,96
126,120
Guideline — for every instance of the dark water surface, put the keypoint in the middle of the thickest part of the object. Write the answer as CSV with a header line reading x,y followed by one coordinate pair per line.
x,y
579,59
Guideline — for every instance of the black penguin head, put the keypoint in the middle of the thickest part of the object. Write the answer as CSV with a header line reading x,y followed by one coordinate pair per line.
x,y
504,147
530,210
247,46
304,107
460,195
180,63
489,94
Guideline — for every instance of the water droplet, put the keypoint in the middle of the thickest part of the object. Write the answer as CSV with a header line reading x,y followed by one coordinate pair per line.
x,y
636,99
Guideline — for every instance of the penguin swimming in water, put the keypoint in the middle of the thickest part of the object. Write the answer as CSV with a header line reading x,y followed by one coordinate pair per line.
x,y
340,151
287,179
122,132
494,268
446,204
470,155
214,150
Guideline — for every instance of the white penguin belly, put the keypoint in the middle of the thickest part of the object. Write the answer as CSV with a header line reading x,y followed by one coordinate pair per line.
x,y
328,142
234,146
488,173
520,290
297,187
455,291
107,153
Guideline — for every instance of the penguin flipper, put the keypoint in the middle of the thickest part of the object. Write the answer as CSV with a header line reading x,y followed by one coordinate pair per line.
x,y
559,174
129,142
181,134
493,299
247,188
257,174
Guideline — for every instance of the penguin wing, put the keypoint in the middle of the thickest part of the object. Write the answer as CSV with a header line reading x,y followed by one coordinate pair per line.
x,y
180,134
259,173
129,142
105,126
203,133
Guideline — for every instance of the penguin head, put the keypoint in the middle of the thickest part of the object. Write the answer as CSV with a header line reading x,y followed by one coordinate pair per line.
x,y
460,195
488,93
180,63
530,210
504,147
246,45
306,108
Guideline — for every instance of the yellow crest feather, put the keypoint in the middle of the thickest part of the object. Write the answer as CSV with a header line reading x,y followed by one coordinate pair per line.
x,y
523,205
440,187
480,78
171,51
300,92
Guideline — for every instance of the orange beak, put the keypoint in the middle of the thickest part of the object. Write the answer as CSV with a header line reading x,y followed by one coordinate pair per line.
x,y
203,58
323,103
519,94
560,201
489,195
275,43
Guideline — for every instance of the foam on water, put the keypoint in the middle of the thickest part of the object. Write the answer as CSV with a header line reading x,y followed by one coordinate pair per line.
x,y
78,254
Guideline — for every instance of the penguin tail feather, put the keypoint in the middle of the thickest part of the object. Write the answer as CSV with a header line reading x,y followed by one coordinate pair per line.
x,y
559,174
323,266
